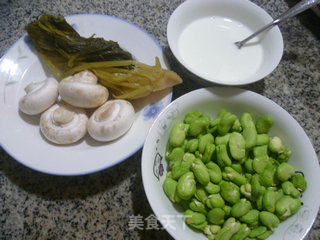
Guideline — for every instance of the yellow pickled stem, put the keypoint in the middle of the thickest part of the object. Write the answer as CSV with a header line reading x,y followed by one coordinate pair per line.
x,y
140,92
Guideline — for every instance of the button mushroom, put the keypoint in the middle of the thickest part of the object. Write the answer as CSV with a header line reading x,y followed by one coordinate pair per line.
x,y
63,124
39,96
111,120
82,90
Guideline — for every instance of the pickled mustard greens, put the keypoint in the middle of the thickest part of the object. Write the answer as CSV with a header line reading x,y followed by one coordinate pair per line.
x,y
66,53
230,177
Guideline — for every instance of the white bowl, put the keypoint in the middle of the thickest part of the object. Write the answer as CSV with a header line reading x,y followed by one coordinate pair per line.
x,y
242,11
210,101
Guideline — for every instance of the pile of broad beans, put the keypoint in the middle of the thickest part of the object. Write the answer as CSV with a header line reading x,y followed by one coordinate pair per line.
x,y
230,177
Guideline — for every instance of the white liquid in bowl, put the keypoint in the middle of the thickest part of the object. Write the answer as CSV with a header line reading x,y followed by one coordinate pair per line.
x,y
207,48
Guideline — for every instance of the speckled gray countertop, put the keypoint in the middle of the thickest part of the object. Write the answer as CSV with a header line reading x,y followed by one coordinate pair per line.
x,y
97,206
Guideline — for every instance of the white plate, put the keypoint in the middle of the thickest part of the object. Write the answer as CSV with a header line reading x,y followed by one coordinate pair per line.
x,y
210,101
19,133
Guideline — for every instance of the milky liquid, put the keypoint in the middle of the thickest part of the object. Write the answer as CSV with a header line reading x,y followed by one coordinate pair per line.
x,y
207,48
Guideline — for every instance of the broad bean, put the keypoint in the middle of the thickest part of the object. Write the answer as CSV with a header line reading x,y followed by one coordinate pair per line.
x,y
178,134
200,172
229,192
216,216
195,219
299,182
286,206
197,206
241,208
214,172
237,146
215,201
262,139
226,122
186,186
208,152
192,145
285,171
212,188
175,157
269,220
222,140
201,194
192,115
242,233
269,201
263,124
198,126
204,140
234,176
289,189
249,132
222,156
169,187
275,145
230,227
251,218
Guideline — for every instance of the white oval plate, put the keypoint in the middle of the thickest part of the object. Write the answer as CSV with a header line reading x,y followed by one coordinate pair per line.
x,y
210,101
20,135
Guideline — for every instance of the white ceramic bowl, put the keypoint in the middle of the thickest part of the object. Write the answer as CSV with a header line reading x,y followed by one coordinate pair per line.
x,y
210,101
242,11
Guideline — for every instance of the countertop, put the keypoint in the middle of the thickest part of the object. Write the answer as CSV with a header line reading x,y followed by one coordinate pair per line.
x,y
97,206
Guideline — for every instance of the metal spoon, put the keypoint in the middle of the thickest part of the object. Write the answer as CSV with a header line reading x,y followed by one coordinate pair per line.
x,y
298,8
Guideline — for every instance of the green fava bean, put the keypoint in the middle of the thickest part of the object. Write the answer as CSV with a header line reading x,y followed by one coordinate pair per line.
x,y
237,167
197,206
192,145
241,208
222,140
251,217
269,201
169,187
257,188
229,192
248,165
236,127
227,210
216,216
249,132
248,176
201,194
285,171
264,124
178,134
279,194
192,115
186,186
212,188
262,139
195,219
265,235
257,231
215,201
237,146
175,157
287,206
275,145
214,172
242,233
226,123
289,189
230,227
246,190
299,182
260,163
269,220
208,152
284,156
211,231
198,126
200,171
179,169
259,151
204,140
222,156
268,178
234,176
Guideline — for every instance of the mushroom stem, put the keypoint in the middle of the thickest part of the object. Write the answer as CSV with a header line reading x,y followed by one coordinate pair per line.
x,y
62,116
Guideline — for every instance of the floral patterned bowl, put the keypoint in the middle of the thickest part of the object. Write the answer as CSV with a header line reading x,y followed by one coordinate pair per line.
x,y
210,101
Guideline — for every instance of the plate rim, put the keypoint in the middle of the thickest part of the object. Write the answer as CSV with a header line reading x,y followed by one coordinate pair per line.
x,y
134,151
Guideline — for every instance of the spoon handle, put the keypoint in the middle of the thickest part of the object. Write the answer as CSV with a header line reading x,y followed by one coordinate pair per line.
x,y
298,8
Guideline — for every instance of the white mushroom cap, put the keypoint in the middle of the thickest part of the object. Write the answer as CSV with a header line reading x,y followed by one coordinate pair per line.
x,y
111,120
39,96
63,124
82,90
